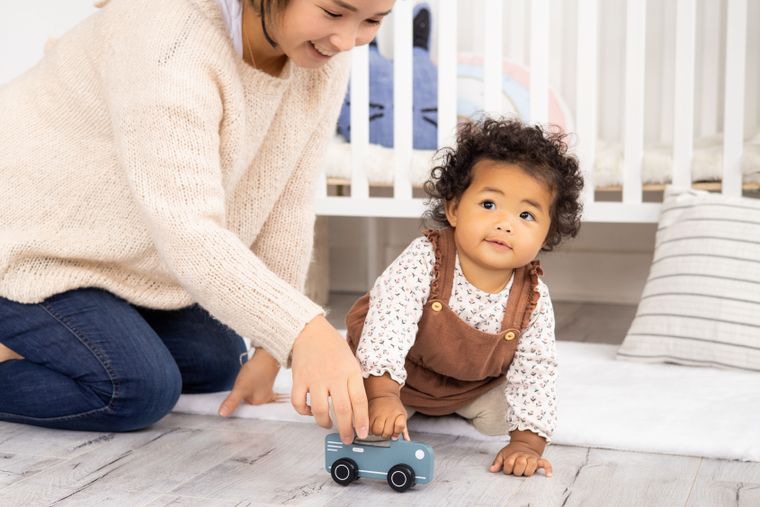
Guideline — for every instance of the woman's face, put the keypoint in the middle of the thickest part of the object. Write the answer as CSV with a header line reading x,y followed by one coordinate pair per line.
x,y
310,32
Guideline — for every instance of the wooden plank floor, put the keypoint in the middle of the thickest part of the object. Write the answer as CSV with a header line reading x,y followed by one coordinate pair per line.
x,y
199,460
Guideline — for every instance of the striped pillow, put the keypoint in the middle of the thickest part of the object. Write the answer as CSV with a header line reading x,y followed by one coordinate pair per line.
x,y
701,302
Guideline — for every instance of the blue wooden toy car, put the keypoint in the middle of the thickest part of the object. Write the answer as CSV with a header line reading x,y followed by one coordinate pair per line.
x,y
402,463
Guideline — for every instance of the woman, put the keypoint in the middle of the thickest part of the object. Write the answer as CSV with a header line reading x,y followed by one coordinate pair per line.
x,y
155,206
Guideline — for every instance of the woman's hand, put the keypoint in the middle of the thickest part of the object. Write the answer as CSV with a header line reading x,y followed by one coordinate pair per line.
x,y
253,383
324,367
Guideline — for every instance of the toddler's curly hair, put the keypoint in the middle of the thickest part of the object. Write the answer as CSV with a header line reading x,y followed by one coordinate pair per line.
x,y
539,152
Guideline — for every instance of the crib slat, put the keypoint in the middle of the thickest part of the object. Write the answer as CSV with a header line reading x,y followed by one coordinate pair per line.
x,y
710,75
559,28
635,47
359,120
587,103
683,108
402,98
388,207
516,31
733,124
492,57
447,73
663,103
539,61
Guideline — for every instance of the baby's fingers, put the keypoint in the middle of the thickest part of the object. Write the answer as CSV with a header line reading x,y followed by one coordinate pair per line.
x,y
498,462
376,425
399,427
544,463
389,428
518,465
530,467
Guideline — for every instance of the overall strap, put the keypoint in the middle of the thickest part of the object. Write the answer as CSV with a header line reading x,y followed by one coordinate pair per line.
x,y
523,298
445,260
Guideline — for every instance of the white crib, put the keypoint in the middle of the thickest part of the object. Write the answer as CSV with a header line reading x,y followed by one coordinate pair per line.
x,y
692,59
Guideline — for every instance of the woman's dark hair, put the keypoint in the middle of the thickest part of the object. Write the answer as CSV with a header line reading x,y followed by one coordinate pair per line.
x,y
271,7
268,11
539,152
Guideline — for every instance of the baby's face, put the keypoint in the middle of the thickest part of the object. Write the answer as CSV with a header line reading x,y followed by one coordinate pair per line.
x,y
500,223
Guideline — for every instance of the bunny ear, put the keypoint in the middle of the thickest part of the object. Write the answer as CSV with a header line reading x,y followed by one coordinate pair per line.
x,y
421,26
100,3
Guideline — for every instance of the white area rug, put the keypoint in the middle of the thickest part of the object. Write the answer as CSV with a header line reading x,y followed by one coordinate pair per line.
x,y
604,402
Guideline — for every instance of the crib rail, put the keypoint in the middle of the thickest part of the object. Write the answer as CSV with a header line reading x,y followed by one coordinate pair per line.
x,y
631,207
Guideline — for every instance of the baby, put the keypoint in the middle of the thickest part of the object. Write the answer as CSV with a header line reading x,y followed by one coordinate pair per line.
x,y
461,323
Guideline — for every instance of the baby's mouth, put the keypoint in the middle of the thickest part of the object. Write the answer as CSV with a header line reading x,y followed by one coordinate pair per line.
x,y
499,243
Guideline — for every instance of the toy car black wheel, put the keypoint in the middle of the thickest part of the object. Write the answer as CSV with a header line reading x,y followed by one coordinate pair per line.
x,y
344,471
401,478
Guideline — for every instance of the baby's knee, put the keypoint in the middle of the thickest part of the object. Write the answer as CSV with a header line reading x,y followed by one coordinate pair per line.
x,y
488,413
493,423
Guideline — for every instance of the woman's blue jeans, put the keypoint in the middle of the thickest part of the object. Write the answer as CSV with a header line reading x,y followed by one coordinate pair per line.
x,y
94,362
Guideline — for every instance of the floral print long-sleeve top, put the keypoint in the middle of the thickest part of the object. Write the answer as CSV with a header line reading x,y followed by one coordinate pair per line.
x,y
395,308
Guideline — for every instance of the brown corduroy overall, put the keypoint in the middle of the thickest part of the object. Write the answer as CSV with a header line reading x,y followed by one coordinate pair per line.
x,y
452,363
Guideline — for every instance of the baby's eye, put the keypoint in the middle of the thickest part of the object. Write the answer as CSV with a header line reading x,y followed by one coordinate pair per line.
x,y
527,215
489,205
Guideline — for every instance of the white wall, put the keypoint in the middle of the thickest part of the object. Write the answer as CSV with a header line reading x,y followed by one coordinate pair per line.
x,y
25,26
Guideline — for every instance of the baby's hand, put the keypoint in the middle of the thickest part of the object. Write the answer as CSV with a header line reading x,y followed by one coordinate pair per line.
x,y
387,417
254,383
519,459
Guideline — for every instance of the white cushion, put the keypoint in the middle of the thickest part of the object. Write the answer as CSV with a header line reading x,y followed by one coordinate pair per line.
x,y
701,302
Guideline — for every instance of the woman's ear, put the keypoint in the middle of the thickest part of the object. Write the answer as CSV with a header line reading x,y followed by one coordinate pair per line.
x,y
451,208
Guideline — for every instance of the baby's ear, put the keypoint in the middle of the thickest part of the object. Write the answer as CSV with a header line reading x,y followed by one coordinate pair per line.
x,y
546,240
451,207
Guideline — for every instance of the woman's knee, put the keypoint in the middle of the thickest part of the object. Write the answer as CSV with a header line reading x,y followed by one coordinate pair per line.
x,y
143,400
223,377
217,371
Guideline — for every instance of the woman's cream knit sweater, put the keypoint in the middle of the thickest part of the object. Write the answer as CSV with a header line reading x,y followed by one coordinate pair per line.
x,y
144,157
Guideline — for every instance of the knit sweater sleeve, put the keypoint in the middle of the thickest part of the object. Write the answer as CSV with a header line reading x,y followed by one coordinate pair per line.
x,y
164,100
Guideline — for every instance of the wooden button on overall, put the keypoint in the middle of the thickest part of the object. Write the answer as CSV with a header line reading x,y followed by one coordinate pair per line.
x,y
436,306
509,335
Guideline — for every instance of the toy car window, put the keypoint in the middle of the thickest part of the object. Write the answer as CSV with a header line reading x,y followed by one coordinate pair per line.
x,y
373,443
